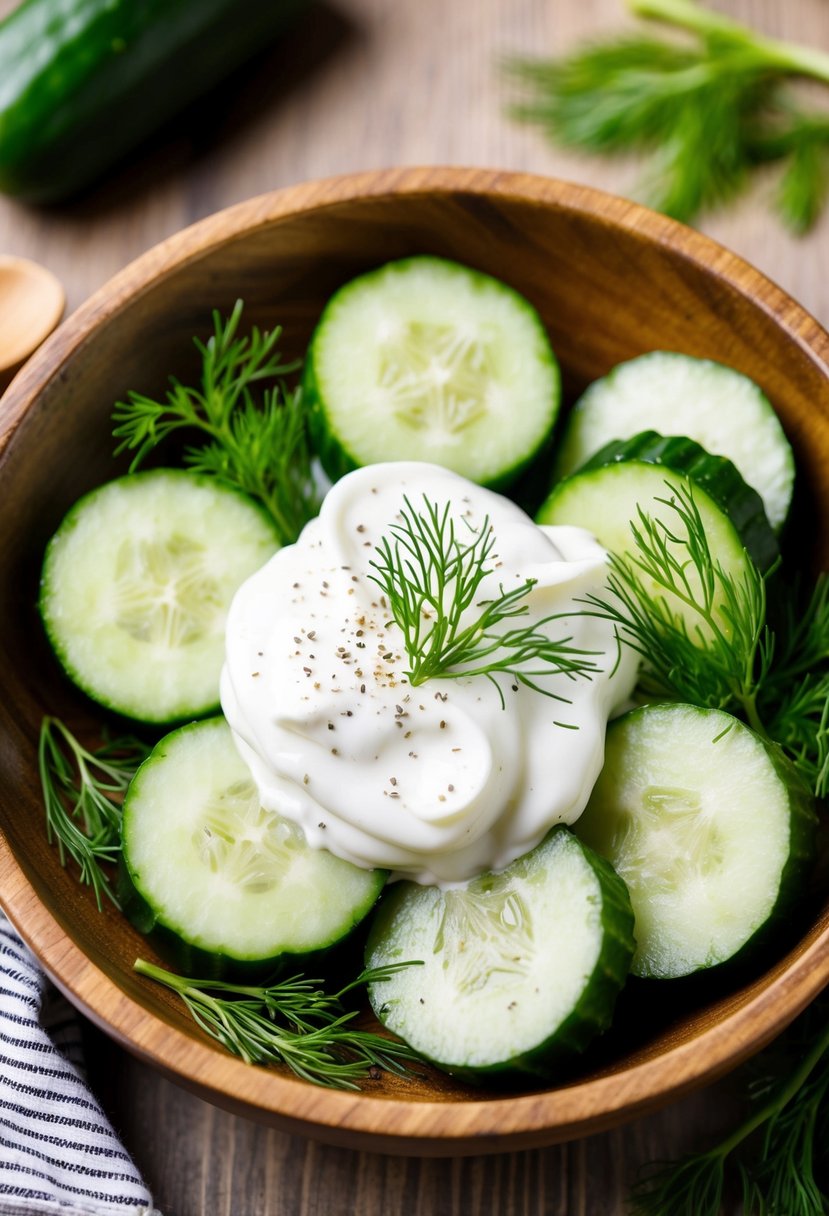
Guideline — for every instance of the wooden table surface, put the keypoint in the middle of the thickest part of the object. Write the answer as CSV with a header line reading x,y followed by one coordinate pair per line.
x,y
360,84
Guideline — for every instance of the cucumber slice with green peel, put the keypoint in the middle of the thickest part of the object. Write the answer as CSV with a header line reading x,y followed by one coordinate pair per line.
x,y
716,475
715,405
424,359
709,825
220,880
644,474
136,586
521,968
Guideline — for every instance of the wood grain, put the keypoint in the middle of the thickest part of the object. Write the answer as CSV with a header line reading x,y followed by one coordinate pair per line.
x,y
364,84
373,82
207,1161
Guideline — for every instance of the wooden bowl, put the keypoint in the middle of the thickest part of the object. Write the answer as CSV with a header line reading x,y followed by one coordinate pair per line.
x,y
611,280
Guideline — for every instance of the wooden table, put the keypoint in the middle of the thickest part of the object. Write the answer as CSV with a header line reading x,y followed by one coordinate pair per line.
x,y
366,83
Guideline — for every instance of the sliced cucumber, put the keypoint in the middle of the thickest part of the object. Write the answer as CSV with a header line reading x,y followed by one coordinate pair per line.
x,y
718,407
216,873
136,586
716,475
521,968
643,473
710,827
427,360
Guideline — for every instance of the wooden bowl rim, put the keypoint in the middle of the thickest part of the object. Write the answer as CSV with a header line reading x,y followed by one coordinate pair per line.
x,y
466,1125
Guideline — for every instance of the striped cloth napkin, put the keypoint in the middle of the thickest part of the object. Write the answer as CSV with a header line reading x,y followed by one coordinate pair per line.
x,y
58,1153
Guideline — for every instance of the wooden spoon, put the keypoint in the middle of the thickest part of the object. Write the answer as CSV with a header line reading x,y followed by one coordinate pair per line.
x,y
32,301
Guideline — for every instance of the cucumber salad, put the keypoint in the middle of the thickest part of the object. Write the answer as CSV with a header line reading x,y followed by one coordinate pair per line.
x,y
404,736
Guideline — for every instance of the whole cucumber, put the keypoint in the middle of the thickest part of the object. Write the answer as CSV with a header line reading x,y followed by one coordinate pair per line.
x,y
83,81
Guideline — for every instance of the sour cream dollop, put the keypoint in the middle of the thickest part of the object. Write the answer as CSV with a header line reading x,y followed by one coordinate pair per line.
x,y
436,782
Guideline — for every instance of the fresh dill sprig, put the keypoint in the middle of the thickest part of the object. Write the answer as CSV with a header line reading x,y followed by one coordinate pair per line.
x,y
709,111
257,443
293,1022
773,1153
793,697
704,638
800,141
801,635
799,722
82,793
700,631
432,578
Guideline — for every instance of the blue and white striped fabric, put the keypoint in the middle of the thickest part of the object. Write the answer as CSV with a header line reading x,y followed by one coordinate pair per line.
x,y
58,1153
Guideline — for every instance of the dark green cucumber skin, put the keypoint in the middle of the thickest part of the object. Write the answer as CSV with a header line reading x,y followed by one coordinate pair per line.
x,y
193,959
82,82
592,1014
335,457
716,475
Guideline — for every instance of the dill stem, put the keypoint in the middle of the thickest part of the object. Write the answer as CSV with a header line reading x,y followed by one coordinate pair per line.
x,y
749,704
778,1101
688,15
168,978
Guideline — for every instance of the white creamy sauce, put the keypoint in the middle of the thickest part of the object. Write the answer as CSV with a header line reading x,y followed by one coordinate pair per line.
x,y
436,782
